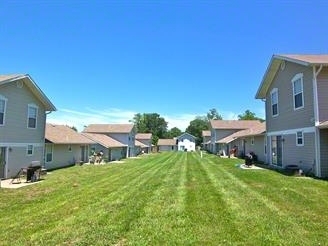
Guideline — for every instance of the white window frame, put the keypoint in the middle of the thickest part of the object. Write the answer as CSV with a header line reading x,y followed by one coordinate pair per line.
x,y
274,91
3,99
296,78
297,138
29,148
49,150
29,107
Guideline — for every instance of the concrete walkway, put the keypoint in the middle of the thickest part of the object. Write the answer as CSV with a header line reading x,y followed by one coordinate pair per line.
x,y
16,184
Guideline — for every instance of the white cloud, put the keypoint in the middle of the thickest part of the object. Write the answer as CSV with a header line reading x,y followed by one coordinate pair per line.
x,y
79,119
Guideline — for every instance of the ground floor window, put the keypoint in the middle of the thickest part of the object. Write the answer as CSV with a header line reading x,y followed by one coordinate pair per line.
x,y
48,152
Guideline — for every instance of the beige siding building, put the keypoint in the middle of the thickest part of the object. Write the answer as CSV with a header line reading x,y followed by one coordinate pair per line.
x,y
23,111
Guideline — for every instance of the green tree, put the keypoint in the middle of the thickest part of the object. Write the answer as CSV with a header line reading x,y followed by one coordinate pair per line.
x,y
213,115
150,123
73,128
173,132
248,115
196,127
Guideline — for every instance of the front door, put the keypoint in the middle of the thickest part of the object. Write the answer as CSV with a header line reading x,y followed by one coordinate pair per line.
x,y
276,150
2,161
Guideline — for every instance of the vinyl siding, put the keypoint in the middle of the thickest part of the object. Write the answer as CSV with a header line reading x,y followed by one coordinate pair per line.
x,y
116,154
322,84
125,138
62,157
18,158
289,118
257,147
15,134
15,129
324,152
302,156
166,148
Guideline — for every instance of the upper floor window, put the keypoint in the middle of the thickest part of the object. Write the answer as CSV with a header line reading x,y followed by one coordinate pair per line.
x,y
252,140
274,102
298,91
299,138
3,103
32,116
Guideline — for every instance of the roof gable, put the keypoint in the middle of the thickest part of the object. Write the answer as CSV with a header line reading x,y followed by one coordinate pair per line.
x,y
276,60
28,82
60,134
186,134
109,128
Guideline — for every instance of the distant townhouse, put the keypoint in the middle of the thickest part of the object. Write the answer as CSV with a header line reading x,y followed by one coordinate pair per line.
x,y
168,144
250,140
112,149
65,147
123,133
206,135
295,89
23,111
221,129
143,142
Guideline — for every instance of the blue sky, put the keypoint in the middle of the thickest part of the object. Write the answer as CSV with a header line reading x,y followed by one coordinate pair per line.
x,y
104,61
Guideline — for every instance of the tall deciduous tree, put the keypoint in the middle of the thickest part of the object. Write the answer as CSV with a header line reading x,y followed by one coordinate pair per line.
x,y
173,132
248,115
150,123
213,115
196,127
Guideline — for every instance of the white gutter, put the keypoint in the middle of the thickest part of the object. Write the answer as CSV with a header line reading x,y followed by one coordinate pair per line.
x,y
316,119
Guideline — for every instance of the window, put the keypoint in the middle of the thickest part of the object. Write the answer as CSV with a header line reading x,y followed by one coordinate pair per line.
x,y
70,148
274,102
252,141
3,102
299,139
48,152
29,149
32,115
298,91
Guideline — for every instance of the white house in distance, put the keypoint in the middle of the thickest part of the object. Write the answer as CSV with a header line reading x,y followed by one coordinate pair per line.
x,y
186,142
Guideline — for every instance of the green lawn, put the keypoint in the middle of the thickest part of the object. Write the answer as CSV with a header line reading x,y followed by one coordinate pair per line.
x,y
166,199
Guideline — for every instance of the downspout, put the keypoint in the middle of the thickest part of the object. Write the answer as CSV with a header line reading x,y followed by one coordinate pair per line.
x,y
316,120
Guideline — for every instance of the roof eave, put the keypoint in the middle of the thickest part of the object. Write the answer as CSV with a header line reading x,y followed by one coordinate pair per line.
x,y
38,92
268,77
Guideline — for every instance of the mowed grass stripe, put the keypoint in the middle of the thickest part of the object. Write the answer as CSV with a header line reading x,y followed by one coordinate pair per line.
x,y
212,219
112,215
257,212
164,221
76,203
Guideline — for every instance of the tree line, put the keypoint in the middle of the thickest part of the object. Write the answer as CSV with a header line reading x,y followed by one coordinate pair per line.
x,y
158,126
